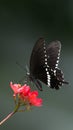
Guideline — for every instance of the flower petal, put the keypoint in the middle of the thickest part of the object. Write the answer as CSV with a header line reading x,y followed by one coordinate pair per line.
x,y
34,100
14,87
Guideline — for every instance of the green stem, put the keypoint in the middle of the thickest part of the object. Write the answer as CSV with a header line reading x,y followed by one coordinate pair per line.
x,y
6,118
10,115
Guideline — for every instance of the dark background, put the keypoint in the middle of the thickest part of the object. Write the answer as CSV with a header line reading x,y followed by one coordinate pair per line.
x,y
21,24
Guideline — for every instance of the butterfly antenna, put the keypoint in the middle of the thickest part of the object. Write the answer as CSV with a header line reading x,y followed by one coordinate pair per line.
x,y
26,69
21,66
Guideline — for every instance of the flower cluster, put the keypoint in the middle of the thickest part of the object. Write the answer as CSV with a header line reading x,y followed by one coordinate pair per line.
x,y
25,95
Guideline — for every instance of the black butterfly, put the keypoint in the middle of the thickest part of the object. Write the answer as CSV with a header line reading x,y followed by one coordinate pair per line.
x,y
44,65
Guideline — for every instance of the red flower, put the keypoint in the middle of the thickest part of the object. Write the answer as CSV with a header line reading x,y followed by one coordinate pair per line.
x,y
32,97
15,87
25,94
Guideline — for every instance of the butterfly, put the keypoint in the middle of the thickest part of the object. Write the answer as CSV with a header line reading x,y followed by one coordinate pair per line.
x,y
43,65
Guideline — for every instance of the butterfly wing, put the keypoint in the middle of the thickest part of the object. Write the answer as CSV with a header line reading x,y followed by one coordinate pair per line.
x,y
42,54
44,63
60,76
37,58
53,54
57,79
37,71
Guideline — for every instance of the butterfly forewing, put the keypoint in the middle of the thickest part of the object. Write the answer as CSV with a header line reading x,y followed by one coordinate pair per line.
x,y
37,57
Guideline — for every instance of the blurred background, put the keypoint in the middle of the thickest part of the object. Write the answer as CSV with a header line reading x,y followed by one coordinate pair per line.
x,y
21,24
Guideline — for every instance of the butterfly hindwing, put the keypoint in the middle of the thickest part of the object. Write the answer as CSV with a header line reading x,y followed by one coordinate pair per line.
x,y
60,76
53,53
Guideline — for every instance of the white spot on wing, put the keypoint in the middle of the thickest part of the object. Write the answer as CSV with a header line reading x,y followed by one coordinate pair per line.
x,y
58,57
45,59
45,51
55,72
57,62
44,47
45,55
46,69
46,63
